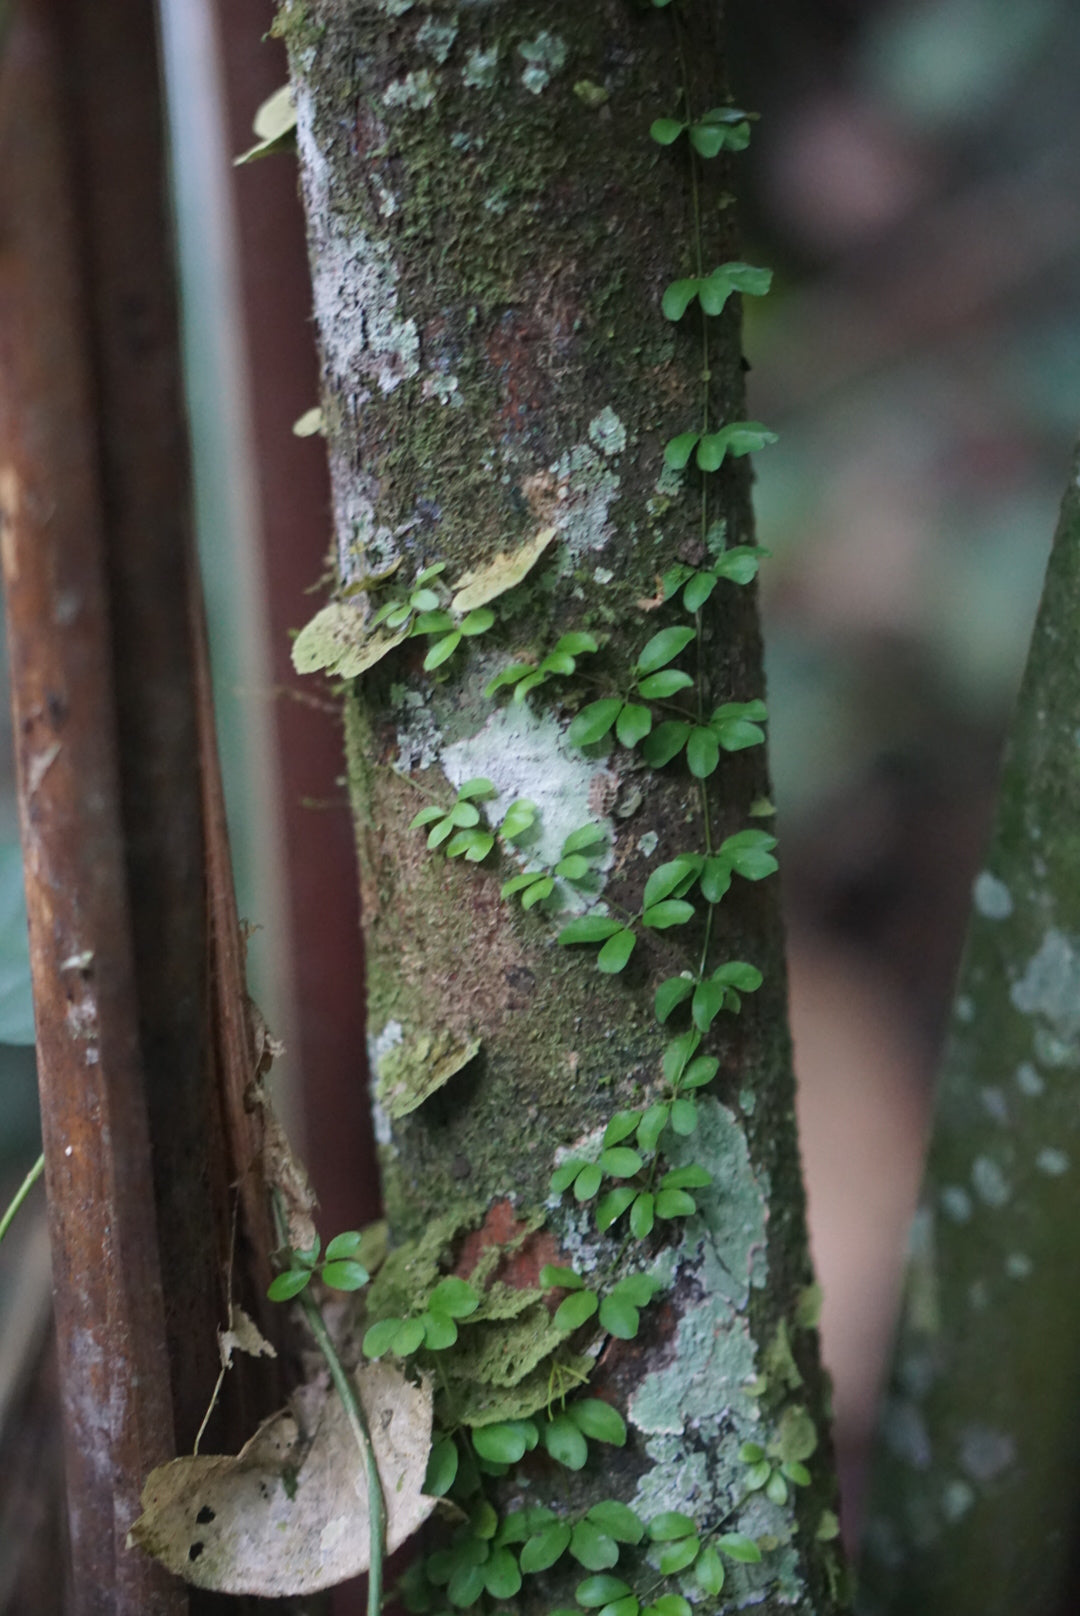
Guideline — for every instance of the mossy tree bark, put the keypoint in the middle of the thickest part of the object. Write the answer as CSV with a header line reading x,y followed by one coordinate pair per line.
x,y
975,1487
491,229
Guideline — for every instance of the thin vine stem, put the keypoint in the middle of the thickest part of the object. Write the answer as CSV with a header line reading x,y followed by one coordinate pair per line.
x,y
20,1194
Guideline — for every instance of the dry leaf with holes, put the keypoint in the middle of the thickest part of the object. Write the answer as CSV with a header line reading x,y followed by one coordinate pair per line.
x,y
289,1514
243,1335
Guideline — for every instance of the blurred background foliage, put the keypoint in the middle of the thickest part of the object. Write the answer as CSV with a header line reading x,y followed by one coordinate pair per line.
x,y
913,180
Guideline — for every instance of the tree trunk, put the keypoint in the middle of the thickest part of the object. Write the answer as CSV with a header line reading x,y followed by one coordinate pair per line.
x,y
975,1497
491,229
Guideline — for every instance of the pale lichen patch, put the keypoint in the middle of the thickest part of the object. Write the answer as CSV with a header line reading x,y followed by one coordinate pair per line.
x,y
1052,1161
985,1453
480,69
990,1183
436,39
414,92
1028,1081
607,432
1050,986
545,56
991,897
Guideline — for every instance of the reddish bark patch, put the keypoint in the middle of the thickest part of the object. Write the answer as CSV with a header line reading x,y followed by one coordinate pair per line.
x,y
520,1268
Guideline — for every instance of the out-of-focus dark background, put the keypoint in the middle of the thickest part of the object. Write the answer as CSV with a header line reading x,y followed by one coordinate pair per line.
x,y
913,182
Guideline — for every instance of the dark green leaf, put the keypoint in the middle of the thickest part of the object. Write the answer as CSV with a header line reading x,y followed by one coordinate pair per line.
x,y
690,1177
663,647
684,1119
638,1288
630,1606
522,1524
668,682
633,724
519,817
455,1297
505,1443
547,1546
478,622
344,1245
592,1548
576,644
283,1287
594,721
429,623
698,590
736,734
674,1204
574,1309
707,140
442,651
564,1176
565,1443
665,742
670,1605
670,994
709,1571
679,1052
665,879
711,451
738,974
537,893
589,929
502,1579
594,836
345,1275
509,676
407,1337
475,844
699,1072
466,1584
740,564
612,1205
796,1473
573,867
708,1003
616,952
752,863
715,878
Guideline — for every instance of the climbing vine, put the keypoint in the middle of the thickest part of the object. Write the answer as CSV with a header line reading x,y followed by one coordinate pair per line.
x,y
637,1177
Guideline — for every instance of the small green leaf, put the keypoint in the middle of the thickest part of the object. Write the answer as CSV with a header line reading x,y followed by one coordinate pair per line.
x,y
652,1126
408,1336
428,815
740,564
757,1475
475,844
616,952
504,1443
530,682
576,644
702,752
679,1052
738,974
557,662
666,741
670,1526
796,1437
711,451
440,1331
675,1204
620,1162
442,1467
665,131
588,1181
502,1579
619,1317
589,929
594,836
345,1275
455,1297
575,1309
675,1557
670,994
737,1546
699,1072
664,880
518,883
678,297
509,676
594,721
565,1443
736,734
538,892
612,1205
708,140
638,1288
669,1605
796,1473
684,1120
709,1571
477,789
599,1420
753,863
477,622
672,912
690,1177
748,279
630,1606
564,1176
464,814
698,590
776,1489
707,1005
715,878
668,682
397,613
642,1215
574,867
617,1520
678,450
751,1453
601,1589
552,1278
633,724
378,1337
466,1585
442,651
344,1245
592,1548
620,1127
519,817
663,647
542,1550
747,437
283,1287
424,600
828,1527
433,571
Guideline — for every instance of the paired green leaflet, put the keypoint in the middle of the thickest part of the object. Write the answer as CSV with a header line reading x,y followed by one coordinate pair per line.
x,y
339,1268
422,612
434,1327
